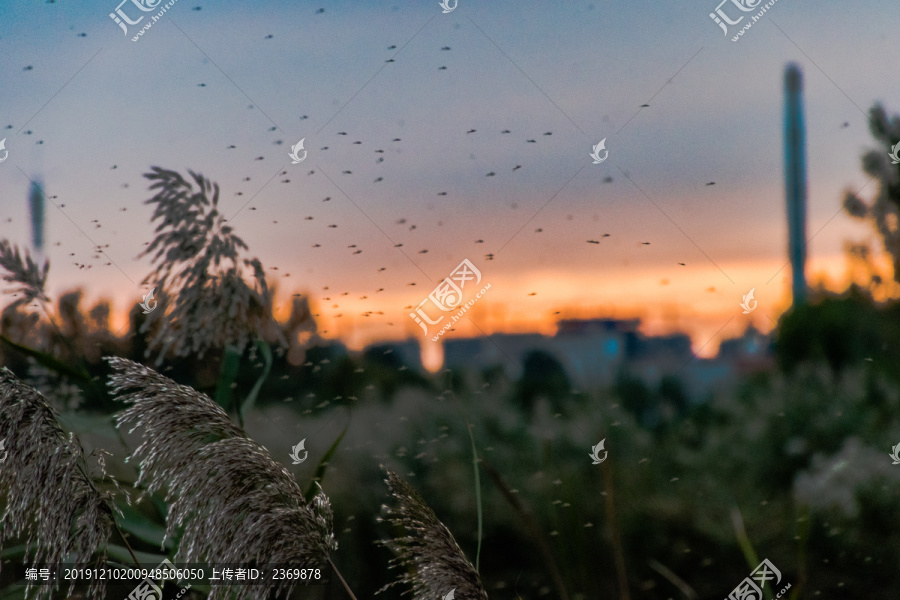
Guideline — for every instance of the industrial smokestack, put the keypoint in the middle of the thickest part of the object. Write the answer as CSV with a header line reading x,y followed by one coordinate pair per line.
x,y
795,178
36,201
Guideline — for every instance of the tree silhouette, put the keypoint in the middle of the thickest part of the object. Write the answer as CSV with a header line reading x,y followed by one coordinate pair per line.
x,y
884,209
543,375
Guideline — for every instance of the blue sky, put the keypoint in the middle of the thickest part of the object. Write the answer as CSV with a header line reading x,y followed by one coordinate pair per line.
x,y
180,96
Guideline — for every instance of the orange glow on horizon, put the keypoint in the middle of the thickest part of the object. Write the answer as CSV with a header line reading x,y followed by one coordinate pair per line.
x,y
699,301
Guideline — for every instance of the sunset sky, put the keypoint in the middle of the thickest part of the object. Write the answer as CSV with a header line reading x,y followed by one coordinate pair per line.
x,y
90,114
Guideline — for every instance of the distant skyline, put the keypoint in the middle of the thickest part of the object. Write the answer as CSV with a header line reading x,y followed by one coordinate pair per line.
x,y
89,114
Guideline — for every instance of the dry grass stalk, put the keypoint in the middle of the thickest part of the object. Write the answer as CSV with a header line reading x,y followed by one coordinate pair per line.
x,y
203,305
431,560
26,273
51,501
235,503
532,525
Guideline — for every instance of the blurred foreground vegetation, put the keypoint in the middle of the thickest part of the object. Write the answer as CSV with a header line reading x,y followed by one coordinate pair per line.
x,y
789,464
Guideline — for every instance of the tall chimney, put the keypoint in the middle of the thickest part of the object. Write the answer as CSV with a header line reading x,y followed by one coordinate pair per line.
x,y
795,178
36,202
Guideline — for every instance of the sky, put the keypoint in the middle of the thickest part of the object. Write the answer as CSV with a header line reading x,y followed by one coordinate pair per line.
x,y
227,88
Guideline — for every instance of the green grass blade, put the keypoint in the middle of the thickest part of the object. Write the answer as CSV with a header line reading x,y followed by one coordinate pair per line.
x,y
746,545
51,362
13,552
477,494
142,527
120,553
250,401
804,526
323,464
231,362
744,542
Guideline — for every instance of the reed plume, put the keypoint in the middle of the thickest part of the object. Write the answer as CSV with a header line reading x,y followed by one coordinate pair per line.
x,y
213,306
30,277
51,501
432,562
235,503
